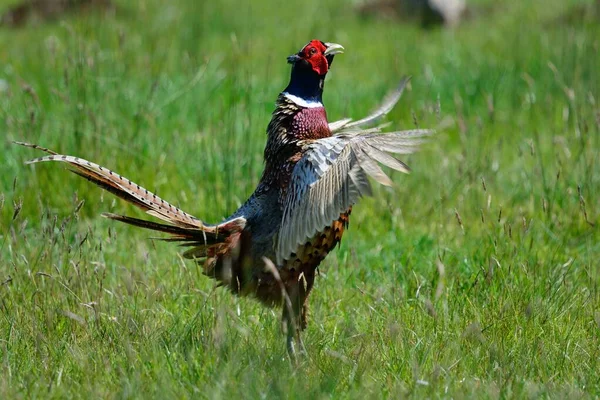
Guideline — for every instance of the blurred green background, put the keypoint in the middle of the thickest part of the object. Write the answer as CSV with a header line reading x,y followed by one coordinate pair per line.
x,y
476,275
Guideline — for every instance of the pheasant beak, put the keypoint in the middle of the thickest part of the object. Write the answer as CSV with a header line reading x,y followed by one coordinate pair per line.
x,y
333,48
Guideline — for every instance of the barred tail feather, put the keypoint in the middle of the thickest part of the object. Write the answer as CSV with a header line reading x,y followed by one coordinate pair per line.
x,y
182,226
206,241
177,233
121,187
203,242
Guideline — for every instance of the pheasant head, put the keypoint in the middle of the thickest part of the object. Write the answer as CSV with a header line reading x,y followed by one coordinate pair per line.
x,y
309,68
299,113
316,56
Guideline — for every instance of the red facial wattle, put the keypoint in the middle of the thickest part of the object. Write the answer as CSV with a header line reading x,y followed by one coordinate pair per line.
x,y
313,53
309,68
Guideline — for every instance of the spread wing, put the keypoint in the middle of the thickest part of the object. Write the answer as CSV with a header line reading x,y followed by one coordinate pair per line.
x,y
385,107
332,175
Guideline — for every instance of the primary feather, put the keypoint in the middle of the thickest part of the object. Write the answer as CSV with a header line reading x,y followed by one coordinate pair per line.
x,y
332,176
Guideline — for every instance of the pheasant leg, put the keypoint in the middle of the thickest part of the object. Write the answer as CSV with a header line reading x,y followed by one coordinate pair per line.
x,y
293,312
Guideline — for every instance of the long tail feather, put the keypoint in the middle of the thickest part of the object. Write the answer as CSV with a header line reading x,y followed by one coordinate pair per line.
x,y
177,233
206,241
182,227
121,187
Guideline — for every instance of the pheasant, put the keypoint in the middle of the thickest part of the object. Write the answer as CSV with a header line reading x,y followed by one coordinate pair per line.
x,y
315,171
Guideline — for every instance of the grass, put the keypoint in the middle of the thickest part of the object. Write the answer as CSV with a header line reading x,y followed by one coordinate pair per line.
x,y
475,276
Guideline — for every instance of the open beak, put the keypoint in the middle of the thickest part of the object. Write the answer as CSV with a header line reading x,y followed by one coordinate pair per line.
x,y
333,48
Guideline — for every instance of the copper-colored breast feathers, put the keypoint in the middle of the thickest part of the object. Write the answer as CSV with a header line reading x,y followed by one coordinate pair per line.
x,y
303,264
310,123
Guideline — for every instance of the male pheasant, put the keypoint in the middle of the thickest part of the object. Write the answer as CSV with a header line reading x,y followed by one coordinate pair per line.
x,y
314,172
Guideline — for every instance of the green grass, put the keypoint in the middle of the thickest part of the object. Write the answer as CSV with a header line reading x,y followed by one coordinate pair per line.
x,y
475,276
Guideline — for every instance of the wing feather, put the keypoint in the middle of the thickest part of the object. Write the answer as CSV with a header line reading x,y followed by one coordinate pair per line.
x,y
332,175
385,159
385,107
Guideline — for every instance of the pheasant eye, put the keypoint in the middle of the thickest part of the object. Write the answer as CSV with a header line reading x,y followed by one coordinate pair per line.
x,y
312,51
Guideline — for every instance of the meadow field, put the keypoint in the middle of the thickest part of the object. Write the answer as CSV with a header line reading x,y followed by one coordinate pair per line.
x,y
476,276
